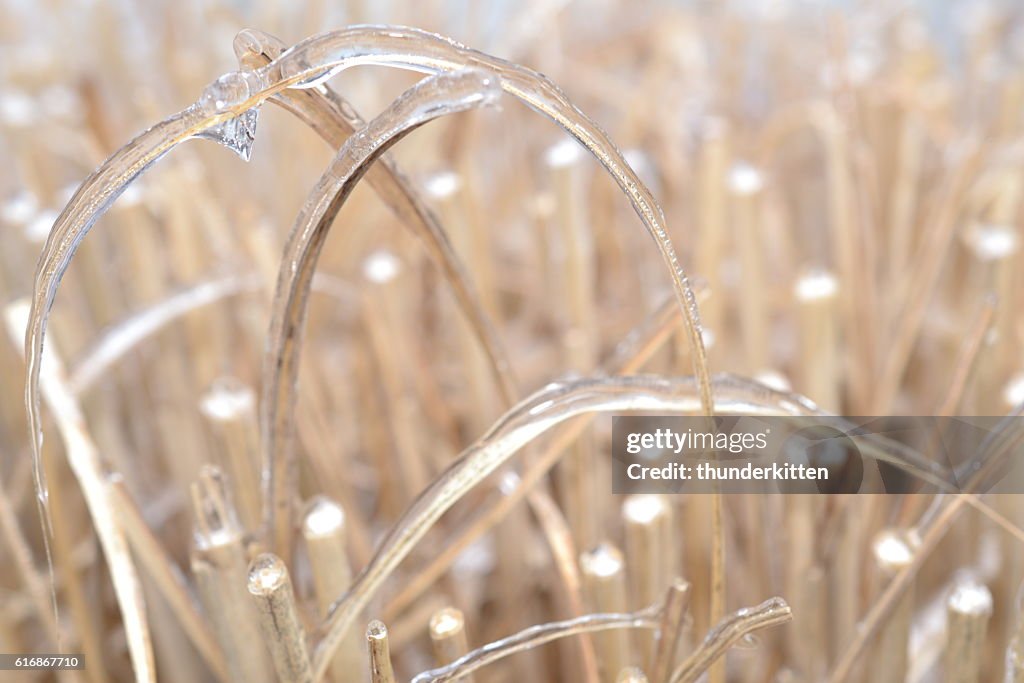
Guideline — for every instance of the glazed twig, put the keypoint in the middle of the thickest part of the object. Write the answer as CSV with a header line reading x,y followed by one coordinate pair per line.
x,y
670,631
538,635
88,469
727,633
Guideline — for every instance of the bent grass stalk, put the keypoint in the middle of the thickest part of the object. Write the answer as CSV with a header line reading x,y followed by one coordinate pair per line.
x,y
730,631
670,630
538,635
301,255
432,98
544,410
931,529
85,463
227,113
893,126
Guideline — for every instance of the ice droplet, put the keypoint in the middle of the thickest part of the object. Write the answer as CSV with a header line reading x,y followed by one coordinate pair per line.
x,y
230,90
237,134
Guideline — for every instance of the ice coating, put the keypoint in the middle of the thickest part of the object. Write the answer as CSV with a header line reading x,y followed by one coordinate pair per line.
x,y
542,411
730,631
538,635
230,90
316,59
431,98
335,120
306,65
85,207
121,338
237,133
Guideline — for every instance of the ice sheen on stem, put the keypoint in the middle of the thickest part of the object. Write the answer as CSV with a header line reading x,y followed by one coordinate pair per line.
x,y
430,99
538,635
534,416
334,120
306,65
84,460
316,59
727,633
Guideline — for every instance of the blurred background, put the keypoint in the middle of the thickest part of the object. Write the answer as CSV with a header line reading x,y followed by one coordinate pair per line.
x,y
842,180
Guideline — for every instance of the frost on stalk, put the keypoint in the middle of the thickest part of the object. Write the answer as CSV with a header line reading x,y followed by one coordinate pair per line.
x,y
238,132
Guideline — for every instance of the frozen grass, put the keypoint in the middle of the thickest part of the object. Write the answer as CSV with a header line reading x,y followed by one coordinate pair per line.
x,y
848,192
